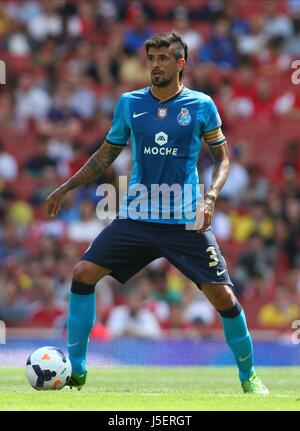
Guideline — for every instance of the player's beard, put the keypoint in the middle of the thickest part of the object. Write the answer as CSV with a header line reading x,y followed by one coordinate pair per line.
x,y
161,81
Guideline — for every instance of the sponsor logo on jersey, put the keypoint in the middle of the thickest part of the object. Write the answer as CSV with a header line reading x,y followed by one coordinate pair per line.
x,y
161,138
184,118
162,112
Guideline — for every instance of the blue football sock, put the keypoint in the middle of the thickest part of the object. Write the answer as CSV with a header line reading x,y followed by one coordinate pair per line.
x,y
81,318
239,339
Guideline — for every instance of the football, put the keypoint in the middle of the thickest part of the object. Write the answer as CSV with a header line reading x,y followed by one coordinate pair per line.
x,y
48,368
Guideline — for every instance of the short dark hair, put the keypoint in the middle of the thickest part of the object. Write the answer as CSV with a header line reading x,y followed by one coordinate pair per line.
x,y
172,39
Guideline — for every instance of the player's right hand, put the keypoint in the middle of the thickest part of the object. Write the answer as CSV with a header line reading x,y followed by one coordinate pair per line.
x,y
54,202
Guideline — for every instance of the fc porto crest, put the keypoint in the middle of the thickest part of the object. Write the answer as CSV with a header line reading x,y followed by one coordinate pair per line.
x,y
162,112
184,118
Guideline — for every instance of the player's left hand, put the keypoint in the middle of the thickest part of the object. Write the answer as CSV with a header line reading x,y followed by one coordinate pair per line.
x,y
209,207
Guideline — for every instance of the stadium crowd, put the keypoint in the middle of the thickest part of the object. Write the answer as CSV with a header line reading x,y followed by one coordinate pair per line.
x,y
67,62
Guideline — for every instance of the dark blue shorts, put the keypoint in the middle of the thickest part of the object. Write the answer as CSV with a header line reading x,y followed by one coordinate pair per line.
x,y
126,246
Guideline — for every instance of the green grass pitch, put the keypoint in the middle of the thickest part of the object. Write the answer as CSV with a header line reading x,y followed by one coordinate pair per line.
x,y
155,389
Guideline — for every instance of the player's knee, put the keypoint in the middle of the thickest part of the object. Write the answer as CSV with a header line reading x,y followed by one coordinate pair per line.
x,y
85,273
224,298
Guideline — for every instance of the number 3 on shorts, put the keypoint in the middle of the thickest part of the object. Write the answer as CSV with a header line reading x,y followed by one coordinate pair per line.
x,y
213,256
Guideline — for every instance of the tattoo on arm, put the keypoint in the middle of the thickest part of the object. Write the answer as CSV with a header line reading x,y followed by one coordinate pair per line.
x,y
94,167
220,170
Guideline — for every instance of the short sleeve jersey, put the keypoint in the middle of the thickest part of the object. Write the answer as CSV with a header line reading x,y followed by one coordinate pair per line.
x,y
166,138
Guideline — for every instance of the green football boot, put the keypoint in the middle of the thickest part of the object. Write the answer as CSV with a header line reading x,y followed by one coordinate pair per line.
x,y
77,381
254,386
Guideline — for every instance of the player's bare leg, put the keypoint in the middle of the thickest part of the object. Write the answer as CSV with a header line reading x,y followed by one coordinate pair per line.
x,y
89,273
81,317
236,333
220,295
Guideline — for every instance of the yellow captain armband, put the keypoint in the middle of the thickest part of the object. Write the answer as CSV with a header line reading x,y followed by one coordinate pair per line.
x,y
214,137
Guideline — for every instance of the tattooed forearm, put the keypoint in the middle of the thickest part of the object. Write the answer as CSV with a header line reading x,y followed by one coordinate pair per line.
x,y
94,167
220,169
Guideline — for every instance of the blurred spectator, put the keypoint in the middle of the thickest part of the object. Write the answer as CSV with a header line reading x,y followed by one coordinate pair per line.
x,y
47,183
62,122
176,326
256,219
289,163
183,26
108,11
49,58
264,98
11,243
8,165
32,102
14,308
293,43
180,8
48,308
258,185
134,70
239,25
275,23
221,223
40,159
256,293
135,37
163,292
281,312
82,24
273,60
292,214
288,104
146,291
209,11
132,320
254,40
17,42
284,247
253,262
23,11
19,213
61,279
274,201
81,57
292,283
101,66
82,100
220,48
226,104
88,226
47,23
196,306
238,177
202,79
100,332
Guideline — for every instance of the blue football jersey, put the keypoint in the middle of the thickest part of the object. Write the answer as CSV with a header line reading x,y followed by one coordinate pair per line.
x,y
166,139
